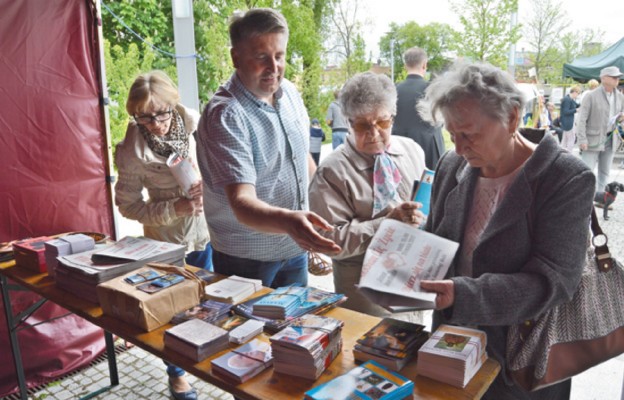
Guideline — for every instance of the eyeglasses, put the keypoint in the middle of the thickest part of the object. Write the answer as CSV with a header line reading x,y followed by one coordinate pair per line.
x,y
365,126
159,117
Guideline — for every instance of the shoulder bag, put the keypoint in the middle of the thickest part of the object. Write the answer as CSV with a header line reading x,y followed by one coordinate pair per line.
x,y
577,335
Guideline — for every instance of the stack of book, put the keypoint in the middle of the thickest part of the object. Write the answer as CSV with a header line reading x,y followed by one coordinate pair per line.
x,y
316,301
233,289
66,245
452,355
196,339
244,363
307,346
209,311
392,343
246,331
80,273
280,303
30,253
367,381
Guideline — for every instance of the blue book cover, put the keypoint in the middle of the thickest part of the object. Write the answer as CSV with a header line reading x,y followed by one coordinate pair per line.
x,y
368,381
422,193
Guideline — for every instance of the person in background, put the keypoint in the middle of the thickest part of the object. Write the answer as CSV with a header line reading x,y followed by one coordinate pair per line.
x,y
160,126
337,122
566,119
408,122
601,110
519,211
253,156
317,137
551,116
347,190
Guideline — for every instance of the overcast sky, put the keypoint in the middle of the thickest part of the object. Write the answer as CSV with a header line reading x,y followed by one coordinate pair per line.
x,y
608,15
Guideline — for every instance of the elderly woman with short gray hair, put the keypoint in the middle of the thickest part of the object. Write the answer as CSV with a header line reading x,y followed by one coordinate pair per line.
x,y
366,180
519,210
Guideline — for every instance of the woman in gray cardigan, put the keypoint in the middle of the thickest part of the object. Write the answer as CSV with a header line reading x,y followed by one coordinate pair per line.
x,y
520,212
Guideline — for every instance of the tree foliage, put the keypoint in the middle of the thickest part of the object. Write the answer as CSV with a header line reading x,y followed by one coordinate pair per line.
x,y
434,38
346,40
487,32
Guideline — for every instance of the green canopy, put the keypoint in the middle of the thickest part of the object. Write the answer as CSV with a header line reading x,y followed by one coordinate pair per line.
x,y
586,68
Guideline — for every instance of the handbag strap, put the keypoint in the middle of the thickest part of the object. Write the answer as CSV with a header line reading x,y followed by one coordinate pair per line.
x,y
603,256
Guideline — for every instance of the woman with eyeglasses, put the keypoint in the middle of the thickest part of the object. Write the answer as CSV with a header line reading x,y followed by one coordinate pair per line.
x,y
367,179
160,126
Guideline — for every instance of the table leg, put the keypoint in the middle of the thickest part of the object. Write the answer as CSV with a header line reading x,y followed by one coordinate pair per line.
x,y
112,358
17,355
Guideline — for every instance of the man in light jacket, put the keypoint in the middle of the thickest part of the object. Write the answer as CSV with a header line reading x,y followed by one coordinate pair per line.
x,y
601,109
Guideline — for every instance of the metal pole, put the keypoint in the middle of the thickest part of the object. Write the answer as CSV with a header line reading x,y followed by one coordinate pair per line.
x,y
184,38
511,64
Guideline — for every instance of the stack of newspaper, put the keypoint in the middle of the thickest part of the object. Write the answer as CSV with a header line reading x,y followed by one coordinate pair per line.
x,y
392,343
307,346
452,355
233,289
80,273
281,303
196,339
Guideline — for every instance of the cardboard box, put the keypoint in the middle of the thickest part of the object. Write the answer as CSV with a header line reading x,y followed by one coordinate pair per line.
x,y
144,310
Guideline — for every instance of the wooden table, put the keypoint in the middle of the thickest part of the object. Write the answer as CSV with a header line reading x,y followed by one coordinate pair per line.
x,y
268,384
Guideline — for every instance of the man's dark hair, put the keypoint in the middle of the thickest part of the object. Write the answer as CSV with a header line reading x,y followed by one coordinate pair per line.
x,y
255,22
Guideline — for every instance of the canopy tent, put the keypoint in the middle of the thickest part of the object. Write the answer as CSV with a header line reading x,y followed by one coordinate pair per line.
x,y
586,68
55,158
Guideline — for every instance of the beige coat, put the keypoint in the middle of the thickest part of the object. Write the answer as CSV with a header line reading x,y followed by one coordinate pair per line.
x,y
593,120
139,168
341,192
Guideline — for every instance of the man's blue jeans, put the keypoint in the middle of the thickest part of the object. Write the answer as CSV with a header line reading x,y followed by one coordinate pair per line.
x,y
273,274
338,138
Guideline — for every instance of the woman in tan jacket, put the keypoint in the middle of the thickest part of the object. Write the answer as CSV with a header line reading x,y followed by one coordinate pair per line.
x,y
160,127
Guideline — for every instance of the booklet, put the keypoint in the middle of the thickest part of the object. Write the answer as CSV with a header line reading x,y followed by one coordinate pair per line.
x,y
422,191
398,258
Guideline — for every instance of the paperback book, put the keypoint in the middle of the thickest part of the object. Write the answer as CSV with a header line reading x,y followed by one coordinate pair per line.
x,y
233,289
369,381
245,362
392,343
209,311
452,355
280,303
398,258
196,339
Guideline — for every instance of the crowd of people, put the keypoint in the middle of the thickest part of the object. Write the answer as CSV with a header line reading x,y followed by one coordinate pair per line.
x,y
520,210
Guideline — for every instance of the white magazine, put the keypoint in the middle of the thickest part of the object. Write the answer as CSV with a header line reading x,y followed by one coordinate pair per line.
x,y
398,258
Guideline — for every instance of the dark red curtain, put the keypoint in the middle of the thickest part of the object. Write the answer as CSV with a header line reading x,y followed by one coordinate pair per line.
x,y
54,158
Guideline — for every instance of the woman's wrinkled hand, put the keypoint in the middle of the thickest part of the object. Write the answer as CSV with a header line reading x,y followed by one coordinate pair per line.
x,y
189,207
195,190
408,212
445,290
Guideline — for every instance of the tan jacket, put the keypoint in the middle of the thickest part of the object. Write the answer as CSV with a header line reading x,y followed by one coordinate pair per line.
x,y
593,120
139,168
342,192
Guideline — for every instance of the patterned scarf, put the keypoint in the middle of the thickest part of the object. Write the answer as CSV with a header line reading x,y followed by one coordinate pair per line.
x,y
177,139
386,178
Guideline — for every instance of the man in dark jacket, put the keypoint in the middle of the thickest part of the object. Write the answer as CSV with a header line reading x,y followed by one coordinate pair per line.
x,y
566,119
407,121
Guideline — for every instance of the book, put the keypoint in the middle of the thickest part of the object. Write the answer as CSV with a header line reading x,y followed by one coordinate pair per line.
x,y
317,301
233,289
422,191
245,362
307,346
369,381
280,303
392,343
30,253
246,331
209,311
196,339
452,355
397,259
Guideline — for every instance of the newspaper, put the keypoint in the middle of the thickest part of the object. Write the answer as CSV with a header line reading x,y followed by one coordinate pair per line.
x,y
132,249
398,258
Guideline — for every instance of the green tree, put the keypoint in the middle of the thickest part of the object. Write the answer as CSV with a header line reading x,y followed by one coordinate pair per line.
x,y
434,38
542,31
346,38
487,33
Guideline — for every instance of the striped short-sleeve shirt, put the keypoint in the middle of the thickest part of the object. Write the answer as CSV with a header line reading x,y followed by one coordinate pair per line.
x,y
245,140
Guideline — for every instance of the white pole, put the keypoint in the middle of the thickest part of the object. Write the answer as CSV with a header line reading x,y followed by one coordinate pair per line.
x,y
392,58
184,38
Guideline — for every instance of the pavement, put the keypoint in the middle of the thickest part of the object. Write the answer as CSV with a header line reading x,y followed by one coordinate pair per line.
x,y
142,375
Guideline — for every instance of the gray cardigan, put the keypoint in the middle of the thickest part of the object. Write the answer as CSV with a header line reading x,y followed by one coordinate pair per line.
x,y
521,268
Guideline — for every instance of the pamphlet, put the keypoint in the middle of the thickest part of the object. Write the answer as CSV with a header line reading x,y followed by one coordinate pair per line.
x,y
398,258
422,191
183,172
